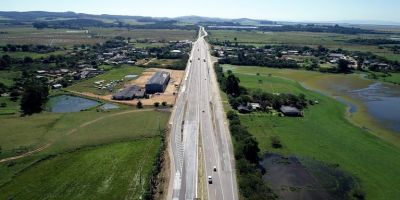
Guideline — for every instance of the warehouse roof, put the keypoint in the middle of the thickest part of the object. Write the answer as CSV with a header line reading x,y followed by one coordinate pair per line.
x,y
159,77
129,92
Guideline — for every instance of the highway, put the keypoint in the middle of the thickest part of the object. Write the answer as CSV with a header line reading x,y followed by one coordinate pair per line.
x,y
199,134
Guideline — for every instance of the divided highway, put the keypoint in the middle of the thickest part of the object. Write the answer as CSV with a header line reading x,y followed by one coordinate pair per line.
x,y
199,133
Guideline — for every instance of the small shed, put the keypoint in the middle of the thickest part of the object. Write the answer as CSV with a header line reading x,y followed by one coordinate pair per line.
x,y
291,111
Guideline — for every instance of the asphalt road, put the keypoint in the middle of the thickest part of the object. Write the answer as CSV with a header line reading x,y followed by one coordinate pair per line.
x,y
198,119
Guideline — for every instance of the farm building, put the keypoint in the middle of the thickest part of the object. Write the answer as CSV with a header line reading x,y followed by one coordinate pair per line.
x,y
291,111
130,93
158,82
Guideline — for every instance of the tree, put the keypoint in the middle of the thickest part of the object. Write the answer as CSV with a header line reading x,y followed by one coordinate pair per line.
x,y
28,59
250,149
164,103
232,85
3,88
34,96
343,66
156,104
139,105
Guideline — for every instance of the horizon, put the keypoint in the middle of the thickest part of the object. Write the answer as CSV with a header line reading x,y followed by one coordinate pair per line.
x,y
384,12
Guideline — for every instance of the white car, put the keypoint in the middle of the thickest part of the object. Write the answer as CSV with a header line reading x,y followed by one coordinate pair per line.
x,y
210,179
215,168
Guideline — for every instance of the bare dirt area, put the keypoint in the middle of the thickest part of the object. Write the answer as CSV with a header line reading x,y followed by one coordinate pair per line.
x,y
168,96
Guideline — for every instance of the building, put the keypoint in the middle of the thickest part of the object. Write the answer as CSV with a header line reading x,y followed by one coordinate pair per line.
x,y
254,106
158,82
57,86
130,93
291,111
244,109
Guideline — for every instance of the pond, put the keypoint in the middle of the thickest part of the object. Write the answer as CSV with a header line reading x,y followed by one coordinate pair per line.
x,y
68,103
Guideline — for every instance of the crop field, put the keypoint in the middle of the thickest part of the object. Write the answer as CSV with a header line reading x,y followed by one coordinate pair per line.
x,y
143,34
148,45
62,37
31,54
330,40
323,134
68,37
115,171
117,73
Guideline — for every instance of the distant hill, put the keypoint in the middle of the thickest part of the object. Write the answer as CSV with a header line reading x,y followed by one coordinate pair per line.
x,y
34,16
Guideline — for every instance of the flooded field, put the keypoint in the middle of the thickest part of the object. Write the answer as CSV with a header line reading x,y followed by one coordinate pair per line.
x,y
381,100
295,178
68,103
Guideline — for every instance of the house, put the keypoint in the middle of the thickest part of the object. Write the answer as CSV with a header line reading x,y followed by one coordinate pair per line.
x,y
57,86
291,111
158,82
293,52
176,51
244,109
336,56
254,106
130,93
41,71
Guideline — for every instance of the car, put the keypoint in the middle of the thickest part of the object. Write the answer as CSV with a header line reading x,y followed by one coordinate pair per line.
x,y
204,60
199,59
203,111
215,168
210,179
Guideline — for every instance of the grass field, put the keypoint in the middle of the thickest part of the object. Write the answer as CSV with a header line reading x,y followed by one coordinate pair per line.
x,y
329,84
325,134
392,78
116,171
12,107
113,74
330,40
61,133
6,77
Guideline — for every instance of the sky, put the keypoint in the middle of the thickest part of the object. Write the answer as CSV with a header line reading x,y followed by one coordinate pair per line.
x,y
277,10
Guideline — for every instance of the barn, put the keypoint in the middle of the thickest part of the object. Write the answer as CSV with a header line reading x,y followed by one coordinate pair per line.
x,y
158,82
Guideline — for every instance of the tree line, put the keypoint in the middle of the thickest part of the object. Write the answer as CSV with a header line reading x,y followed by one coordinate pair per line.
x,y
240,96
251,184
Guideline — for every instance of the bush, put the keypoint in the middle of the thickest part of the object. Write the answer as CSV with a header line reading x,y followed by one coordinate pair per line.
x,y
276,142
164,103
3,105
139,105
157,104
